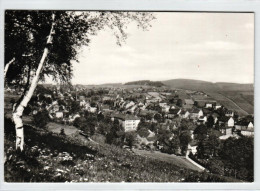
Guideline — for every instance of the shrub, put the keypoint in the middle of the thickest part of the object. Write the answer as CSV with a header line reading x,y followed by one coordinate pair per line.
x,y
143,132
41,119
130,138
62,132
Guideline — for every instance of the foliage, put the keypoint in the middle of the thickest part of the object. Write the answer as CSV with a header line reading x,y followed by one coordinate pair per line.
x,y
86,126
210,122
179,102
185,138
56,158
201,132
238,155
130,138
143,132
41,119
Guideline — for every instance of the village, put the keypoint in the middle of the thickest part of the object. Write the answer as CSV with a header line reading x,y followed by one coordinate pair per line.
x,y
89,97
133,107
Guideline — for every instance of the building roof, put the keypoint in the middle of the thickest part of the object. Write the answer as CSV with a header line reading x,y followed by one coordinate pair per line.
x,y
194,110
206,111
187,106
174,111
125,117
188,101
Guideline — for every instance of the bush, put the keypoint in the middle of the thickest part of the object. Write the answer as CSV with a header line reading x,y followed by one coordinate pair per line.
x,y
130,138
41,119
143,132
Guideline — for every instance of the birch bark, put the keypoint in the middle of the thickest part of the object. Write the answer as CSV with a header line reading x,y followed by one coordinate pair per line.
x,y
18,109
7,66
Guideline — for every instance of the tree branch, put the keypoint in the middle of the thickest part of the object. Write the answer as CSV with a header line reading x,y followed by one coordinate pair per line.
x,y
7,66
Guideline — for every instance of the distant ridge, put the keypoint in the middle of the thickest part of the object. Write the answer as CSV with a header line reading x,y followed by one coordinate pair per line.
x,y
207,86
146,83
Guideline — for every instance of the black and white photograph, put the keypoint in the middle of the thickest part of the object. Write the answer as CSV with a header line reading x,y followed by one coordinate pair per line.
x,y
128,96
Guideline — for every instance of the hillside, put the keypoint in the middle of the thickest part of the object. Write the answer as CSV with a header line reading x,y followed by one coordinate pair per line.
x,y
146,83
199,85
58,158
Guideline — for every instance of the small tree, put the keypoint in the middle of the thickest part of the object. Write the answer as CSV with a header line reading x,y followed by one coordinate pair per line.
x,y
143,132
179,102
185,138
130,138
41,119
210,122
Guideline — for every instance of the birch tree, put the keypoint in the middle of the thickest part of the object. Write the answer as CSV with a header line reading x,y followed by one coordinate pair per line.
x,y
44,43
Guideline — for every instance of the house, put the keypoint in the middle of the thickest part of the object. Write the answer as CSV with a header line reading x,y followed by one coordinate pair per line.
x,y
81,98
105,107
188,102
59,114
185,114
192,147
92,109
107,98
247,132
215,117
195,113
231,122
166,109
163,104
227,125
206,111
202,119
217,106
132,109
82,103
129,122
246,128
173,112
130,104
208,105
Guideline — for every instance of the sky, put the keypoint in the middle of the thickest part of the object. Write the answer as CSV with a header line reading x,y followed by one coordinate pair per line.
x,y
215,47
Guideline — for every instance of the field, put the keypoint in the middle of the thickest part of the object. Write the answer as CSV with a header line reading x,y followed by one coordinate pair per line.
x,y
241,102
245,100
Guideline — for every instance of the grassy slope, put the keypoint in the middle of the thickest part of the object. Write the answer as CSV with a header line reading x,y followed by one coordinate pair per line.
x,y
54,158
222,99
245,100
91,162
179,161
241,94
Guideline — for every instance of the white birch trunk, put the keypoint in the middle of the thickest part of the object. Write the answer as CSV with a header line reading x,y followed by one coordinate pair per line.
x,y
18,111
7,66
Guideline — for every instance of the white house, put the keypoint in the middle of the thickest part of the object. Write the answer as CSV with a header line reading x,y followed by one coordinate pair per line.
x,y
59,114
208,105
196,113
192,148
185,114
231,122
217,106
202,119
130,104
129,122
